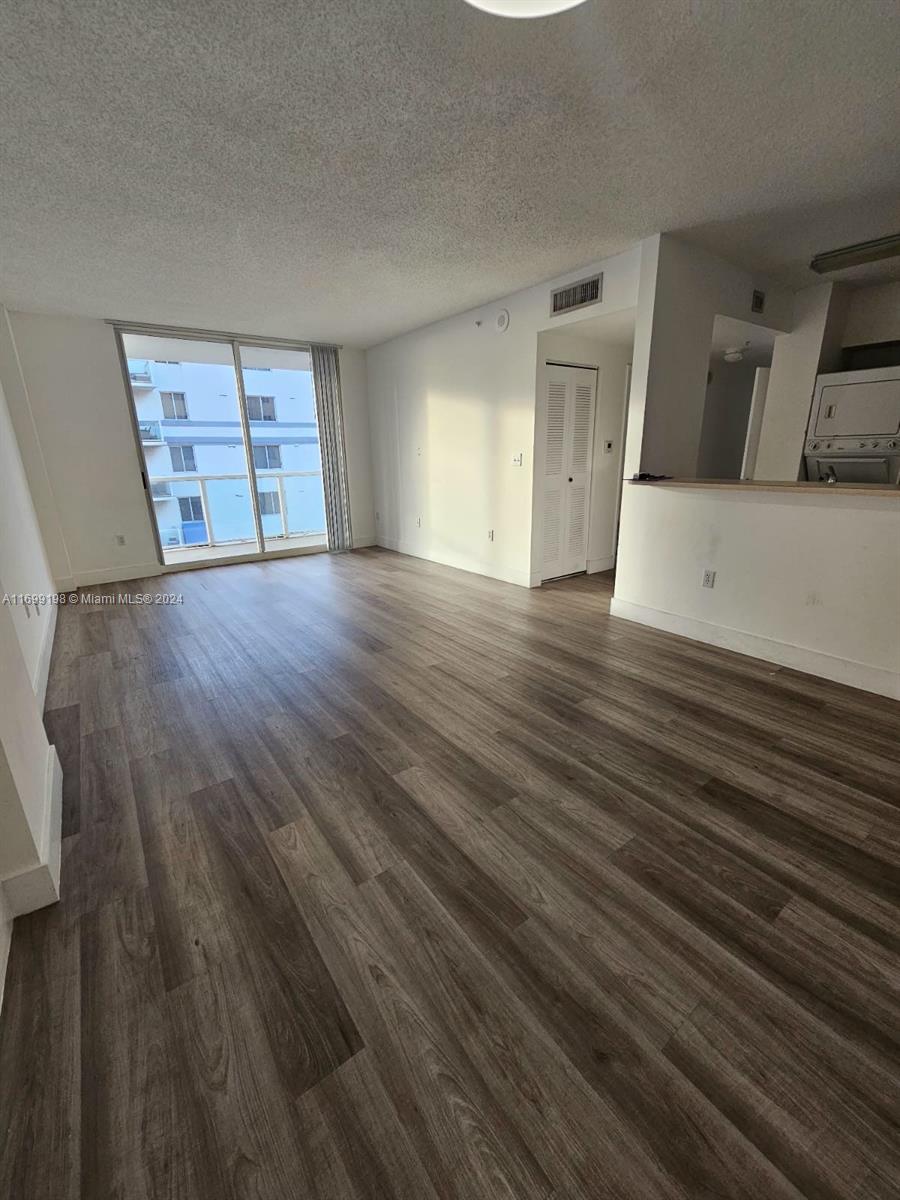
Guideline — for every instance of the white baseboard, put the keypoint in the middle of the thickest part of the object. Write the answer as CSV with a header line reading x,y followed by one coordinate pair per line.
x,y
118,574
798,658
364,542
595,565
42,668
38,886
472,565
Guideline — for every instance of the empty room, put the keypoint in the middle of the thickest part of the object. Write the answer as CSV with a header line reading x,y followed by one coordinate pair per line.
x,y
449,600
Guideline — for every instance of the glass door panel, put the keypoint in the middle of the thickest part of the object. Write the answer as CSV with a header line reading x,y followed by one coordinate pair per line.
x,y
284,436
192,438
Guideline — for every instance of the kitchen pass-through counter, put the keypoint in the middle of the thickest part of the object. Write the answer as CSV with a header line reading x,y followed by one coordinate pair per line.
x,y
766,485
805,575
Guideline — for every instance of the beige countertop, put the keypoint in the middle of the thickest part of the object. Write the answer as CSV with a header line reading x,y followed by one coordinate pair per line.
x,y
765,485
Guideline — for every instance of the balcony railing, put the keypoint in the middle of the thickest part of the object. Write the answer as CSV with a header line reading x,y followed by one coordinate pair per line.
x,y
224,514
151,431
139,374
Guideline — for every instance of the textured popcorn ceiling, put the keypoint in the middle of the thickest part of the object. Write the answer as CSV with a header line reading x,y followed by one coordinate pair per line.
x,y
347,169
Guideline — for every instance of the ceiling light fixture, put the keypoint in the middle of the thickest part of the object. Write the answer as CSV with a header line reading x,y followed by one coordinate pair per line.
x,y
524,8
856,255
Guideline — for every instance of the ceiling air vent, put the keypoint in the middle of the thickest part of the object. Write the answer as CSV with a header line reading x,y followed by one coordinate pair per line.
x,y
576,295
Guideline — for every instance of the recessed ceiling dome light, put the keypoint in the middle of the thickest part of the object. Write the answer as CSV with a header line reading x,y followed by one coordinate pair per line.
x,y
524,8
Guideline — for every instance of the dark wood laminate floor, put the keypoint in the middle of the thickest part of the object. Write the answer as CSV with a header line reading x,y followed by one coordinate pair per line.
x,y
384,880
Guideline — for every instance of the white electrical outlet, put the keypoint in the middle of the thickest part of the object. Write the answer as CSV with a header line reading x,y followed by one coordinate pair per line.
x,y
709,579
490,535
419,522
120,539
518,459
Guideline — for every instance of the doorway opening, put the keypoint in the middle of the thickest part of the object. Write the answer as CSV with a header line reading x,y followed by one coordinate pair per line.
x,y
583,381
740,357
229,443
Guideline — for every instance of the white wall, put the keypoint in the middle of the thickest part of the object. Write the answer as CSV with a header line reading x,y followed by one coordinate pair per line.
x,y
873,315
810,580
30,780
6,926
612,361
40,486
80,412
450,405
683,288
23,561
797,358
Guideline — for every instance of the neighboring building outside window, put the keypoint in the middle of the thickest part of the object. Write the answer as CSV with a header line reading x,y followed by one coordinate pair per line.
x,y
267,457
261,408
183,458
191,508
174,406
185,443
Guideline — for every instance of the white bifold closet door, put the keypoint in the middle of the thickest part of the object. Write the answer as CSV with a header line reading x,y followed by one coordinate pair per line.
x,y
571,396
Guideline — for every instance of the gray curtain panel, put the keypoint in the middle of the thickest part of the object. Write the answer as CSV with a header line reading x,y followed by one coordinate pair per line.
x,y
327,383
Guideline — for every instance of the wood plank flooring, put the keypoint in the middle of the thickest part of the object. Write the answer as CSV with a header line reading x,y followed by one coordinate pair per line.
x,y
385,880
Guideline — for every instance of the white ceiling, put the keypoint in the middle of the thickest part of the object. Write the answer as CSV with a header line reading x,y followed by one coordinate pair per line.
x,y
729,333
347,169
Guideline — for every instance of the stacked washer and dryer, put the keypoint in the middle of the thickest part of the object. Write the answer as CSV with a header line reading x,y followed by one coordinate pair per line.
x,y
853,434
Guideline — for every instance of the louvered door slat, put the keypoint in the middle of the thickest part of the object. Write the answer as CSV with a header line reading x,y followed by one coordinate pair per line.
x,y
556,428
582,426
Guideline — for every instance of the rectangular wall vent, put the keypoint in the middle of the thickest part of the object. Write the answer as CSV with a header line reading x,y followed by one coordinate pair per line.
x,y
576,295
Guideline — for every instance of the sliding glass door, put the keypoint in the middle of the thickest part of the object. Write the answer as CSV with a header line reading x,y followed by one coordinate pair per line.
x,y
284,441
230,446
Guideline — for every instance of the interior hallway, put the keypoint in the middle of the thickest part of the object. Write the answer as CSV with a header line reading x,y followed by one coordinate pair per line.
x,y
382,879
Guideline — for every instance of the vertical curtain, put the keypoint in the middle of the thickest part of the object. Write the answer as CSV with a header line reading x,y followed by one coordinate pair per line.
x,y
327,383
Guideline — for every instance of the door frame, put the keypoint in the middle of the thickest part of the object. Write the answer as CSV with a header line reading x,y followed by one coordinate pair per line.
x,y
754,421
539,457
235,341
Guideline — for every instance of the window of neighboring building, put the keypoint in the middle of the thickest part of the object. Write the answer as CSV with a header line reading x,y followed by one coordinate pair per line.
x,y
174,406
183,458
269,505
191,508
267,458
261,408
